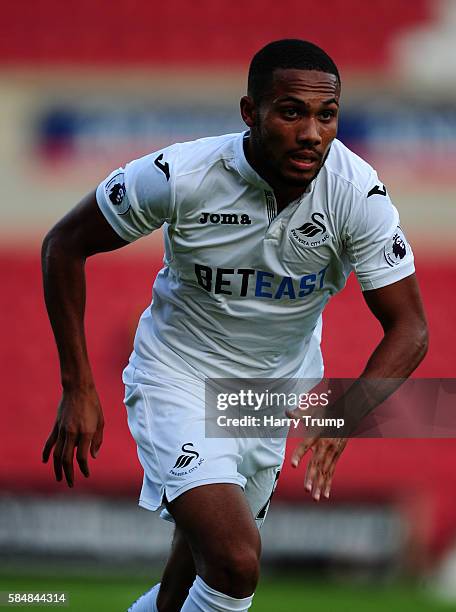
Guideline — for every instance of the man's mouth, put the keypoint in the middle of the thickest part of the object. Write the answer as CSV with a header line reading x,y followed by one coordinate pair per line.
x,y
304,160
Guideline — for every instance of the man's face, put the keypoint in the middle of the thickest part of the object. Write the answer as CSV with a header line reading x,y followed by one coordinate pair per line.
x,y
293,126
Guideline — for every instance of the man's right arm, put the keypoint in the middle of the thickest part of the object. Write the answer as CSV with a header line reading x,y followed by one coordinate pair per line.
x,y
84,231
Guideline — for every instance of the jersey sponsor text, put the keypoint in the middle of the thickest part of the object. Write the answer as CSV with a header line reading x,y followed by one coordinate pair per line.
x,y
263,284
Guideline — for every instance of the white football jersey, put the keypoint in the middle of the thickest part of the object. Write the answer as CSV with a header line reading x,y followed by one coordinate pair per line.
x,y
243,287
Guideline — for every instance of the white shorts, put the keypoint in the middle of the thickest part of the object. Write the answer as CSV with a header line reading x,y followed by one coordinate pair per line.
x,y
167,420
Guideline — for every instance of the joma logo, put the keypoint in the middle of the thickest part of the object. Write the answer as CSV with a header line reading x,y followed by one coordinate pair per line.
x,y
225,218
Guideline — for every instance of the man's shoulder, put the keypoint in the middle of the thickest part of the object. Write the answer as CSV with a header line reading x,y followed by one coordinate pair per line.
x,y
182,158
202,153
344,165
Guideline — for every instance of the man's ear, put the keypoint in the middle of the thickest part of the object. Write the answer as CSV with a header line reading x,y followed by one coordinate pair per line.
x,y
248,111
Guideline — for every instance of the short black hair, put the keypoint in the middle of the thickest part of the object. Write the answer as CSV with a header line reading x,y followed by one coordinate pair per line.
x,y
286,53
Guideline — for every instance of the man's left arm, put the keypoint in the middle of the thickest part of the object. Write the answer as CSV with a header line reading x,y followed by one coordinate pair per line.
x,y
399,309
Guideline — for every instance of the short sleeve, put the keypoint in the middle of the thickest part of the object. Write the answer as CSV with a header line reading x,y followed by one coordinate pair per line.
x,y
137,199
376,244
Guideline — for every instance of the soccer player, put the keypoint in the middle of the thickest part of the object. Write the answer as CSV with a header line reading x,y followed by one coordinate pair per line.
x,y
261,228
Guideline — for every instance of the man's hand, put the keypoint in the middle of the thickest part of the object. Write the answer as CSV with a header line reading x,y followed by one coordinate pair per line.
x,y
79,424
321,466
81,233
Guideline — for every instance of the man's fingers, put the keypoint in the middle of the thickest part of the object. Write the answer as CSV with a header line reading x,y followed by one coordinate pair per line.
x,y
97,441
301,450
83,452
322,459
298,454
67,457
329,458
328,483
331,469
57,456
78,429
64,453
325,456
311,473
330,465
52,439
321,466
319,484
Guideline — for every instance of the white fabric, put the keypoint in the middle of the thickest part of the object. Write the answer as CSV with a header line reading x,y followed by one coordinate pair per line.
x,y
167,419
203,598
147,601
243,288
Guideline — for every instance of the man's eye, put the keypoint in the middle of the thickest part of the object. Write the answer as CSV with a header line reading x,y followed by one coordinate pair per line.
x,y
290,113
327,115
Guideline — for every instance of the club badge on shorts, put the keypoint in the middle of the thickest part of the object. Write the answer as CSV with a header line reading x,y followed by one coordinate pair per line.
x,y
189,456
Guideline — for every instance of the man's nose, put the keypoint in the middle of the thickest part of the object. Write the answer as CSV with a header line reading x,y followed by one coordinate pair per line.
x,y
308,132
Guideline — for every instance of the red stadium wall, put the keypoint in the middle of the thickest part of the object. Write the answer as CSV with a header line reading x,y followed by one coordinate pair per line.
x,y
418,475
201,32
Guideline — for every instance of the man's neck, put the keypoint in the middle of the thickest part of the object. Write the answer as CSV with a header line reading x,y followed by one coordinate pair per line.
x,y
284,194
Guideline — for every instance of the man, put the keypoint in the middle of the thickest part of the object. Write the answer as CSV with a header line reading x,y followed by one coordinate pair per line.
x,y
260,230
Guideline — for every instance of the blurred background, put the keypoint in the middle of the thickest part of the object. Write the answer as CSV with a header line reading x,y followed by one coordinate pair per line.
x,y
86,86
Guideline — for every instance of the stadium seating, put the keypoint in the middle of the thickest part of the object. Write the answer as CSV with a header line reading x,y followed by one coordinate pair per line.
x,y
201,33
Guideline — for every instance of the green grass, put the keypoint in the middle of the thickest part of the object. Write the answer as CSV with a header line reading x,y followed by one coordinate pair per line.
x,y
275,594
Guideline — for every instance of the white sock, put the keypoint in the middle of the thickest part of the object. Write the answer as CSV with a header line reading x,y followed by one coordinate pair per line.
x,y
146,603
202,598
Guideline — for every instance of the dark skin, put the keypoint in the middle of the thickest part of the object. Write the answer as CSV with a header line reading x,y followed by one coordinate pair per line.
x,y
79,423
291,129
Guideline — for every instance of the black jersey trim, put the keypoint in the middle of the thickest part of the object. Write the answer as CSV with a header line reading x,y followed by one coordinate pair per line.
x,y
270,205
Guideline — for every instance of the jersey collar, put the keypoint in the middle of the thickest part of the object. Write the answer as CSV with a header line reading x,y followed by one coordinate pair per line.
x,y
243,166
